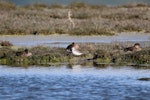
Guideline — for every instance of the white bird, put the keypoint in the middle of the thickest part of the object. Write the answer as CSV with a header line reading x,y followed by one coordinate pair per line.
x,y
74,49
76,52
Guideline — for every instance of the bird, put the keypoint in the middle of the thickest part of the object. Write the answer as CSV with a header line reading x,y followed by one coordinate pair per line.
x,y
76,52
74,49
19,53
25,53
3,56
136,47
69,47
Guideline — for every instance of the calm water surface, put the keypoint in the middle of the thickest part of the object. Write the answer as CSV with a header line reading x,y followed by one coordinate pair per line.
x,y
104,2
73,83
64,40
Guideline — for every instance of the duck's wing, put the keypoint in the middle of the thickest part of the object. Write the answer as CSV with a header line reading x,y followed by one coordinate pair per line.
x,y
129,49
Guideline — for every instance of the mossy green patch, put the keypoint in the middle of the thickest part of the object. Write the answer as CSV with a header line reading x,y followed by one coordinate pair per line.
x,y
45,56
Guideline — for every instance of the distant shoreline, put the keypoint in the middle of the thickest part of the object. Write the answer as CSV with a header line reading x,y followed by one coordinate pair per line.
x,y
67,2
73,19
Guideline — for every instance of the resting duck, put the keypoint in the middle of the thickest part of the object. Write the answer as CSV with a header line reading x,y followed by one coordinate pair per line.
x,y
136,47
26,53
74,49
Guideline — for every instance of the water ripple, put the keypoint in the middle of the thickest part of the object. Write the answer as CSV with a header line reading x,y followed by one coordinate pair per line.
x,y
49,83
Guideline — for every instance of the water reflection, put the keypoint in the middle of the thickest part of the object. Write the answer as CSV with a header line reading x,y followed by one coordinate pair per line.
x,y
74,82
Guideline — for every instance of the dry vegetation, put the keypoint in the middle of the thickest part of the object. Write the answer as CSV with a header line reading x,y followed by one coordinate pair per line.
x,y
88,19
5,43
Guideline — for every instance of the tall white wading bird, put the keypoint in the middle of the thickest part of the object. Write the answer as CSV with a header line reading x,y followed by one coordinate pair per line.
x,y
74,49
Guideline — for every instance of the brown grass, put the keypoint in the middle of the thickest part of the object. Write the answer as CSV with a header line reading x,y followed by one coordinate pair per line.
x,y
7,5
88,19
5,43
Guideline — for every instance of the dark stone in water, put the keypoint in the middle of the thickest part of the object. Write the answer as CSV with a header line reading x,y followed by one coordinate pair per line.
x,y
144,79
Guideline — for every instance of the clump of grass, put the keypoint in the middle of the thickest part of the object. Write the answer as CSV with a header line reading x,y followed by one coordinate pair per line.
x,y
7,5
101,57
52,31
135,58
40,6
6,43
134,5
127,28
89,31
53,6
117,16
101,54
82,15
130,28
40,56
37,6
83,5
78,5
121,16
6,52
39,50
49,55
14,32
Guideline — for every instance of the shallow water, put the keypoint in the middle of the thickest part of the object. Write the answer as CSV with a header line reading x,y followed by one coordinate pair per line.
x,y
73,83
64,40
104,2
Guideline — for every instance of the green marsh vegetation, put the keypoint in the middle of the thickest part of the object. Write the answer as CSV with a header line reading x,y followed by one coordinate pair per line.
x,y
87,19
98,54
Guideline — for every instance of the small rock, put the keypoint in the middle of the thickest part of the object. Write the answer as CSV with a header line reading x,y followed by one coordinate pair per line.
x,y
144,79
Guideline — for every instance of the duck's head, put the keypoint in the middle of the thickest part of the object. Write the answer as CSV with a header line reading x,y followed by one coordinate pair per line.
x,y
72,43
137,45
26,50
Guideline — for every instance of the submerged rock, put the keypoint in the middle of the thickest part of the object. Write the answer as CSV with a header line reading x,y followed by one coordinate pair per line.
x,y
144,79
